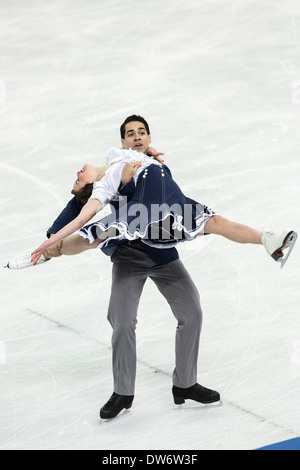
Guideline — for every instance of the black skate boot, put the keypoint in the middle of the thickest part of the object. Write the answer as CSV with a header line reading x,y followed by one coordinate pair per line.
x,y
115,405
197,393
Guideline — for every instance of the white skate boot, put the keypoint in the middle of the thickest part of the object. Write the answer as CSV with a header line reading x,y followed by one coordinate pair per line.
x,y
275,244
24,261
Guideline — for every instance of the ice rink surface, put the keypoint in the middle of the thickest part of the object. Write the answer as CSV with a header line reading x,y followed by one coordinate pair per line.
x,y
219,83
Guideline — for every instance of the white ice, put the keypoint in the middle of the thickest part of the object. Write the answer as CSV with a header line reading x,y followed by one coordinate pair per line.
x,y
219,83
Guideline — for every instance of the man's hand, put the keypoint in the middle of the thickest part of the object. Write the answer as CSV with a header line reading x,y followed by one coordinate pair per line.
x,y
54,250
129,171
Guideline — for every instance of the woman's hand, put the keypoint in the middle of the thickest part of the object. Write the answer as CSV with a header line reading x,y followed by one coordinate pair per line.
x,y
36,254
154,153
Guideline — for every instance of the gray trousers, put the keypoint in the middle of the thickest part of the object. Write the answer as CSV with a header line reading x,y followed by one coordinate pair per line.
x,y
131,268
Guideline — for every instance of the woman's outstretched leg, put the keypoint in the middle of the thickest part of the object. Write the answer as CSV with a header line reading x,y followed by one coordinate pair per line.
x,y
72,245
76,244
233,231
275,244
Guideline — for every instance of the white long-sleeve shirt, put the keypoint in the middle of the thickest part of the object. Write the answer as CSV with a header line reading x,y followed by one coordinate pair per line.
x,y
106,189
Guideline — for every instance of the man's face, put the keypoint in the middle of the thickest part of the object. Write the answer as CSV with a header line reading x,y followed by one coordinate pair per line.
x,y
136,137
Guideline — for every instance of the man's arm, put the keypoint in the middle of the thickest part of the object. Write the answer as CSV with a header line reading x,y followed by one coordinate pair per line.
x,y
69,213
87,213
128,172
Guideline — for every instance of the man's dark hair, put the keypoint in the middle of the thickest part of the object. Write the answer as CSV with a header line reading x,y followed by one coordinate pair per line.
x,y
132,118
84,194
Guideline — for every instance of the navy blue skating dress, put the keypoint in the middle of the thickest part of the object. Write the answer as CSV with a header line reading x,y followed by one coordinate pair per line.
x,y
158,213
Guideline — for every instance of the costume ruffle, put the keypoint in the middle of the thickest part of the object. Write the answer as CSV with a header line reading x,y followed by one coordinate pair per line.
x,y
158,213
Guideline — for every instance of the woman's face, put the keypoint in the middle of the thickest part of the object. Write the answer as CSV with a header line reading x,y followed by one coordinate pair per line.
x,y
84,176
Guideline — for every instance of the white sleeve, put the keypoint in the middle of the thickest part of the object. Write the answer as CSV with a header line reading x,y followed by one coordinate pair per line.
x,y
107,188
115,154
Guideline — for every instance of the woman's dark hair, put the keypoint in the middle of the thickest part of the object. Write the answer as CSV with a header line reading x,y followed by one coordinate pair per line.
x,y
84,194
132,118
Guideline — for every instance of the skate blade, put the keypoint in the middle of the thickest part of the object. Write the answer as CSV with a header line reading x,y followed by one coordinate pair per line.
x,y
288,243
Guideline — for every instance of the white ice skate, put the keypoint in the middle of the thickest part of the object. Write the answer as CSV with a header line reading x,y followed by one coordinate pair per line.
x,y
275,244
24,261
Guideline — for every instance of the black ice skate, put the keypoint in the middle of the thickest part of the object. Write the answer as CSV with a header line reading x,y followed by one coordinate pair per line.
x,y
196,393
115,405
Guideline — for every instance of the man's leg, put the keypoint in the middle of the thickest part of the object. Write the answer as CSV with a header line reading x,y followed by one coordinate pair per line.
x,y
176,285
127,284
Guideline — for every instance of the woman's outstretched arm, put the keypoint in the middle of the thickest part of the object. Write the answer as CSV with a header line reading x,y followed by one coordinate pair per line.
x,y
87,213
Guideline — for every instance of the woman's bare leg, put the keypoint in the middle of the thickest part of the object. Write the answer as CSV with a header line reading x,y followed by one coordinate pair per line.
x,y
76,244
233,231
